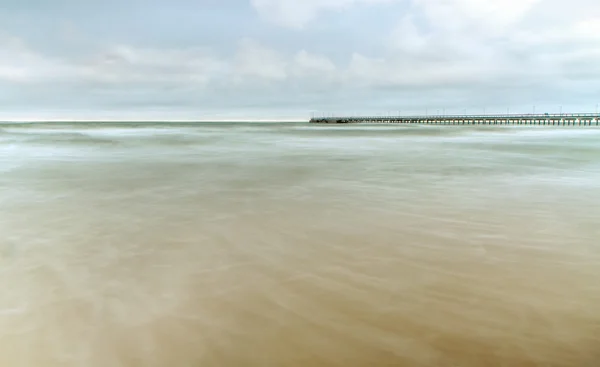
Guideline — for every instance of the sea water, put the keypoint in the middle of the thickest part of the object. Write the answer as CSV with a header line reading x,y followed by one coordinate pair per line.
x,y
289,244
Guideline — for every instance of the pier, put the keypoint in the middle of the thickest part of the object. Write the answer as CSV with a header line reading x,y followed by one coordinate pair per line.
x,y
578,119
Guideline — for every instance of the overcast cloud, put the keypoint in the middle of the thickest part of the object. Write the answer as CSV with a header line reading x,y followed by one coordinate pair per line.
x,y
231,59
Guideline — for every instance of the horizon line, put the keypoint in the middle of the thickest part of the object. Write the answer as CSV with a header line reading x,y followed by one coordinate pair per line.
x,y
35,120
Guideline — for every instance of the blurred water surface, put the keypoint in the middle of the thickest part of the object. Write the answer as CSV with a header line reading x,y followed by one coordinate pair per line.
x,y
285,244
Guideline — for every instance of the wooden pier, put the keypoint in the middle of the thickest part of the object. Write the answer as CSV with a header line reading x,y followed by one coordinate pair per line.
x,y
578,119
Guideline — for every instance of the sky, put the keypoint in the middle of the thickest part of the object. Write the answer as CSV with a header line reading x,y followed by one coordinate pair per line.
x,y
291,59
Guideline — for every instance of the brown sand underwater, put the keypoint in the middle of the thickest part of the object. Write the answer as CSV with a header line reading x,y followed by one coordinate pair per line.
x,y
237,245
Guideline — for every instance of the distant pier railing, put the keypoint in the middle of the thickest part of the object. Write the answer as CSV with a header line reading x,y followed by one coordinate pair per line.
x,y
577,119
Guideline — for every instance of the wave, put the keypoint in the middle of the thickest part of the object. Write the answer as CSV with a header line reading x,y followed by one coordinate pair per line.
x,y
144,136
69,138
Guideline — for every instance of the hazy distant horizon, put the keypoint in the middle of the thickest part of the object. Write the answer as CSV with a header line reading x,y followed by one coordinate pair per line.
x,y
266,117
40,120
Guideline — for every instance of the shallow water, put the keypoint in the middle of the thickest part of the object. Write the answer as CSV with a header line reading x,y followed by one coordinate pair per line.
x,y
287,244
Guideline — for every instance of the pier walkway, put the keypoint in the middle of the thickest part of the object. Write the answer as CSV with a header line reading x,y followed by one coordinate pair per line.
x,y
579,119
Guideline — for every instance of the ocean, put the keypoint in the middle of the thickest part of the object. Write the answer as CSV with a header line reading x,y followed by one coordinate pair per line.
x,y
289,244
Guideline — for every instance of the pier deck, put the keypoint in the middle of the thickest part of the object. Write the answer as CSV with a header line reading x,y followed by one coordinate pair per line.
x,y
580,119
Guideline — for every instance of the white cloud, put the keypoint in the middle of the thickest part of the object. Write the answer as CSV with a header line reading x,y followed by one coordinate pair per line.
x,y
588,28
528,47
122,65
483,15
440,42
581,33
256,61
425,50
127,64
457,26
447,14
307,65
20,64
408,73
298,13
